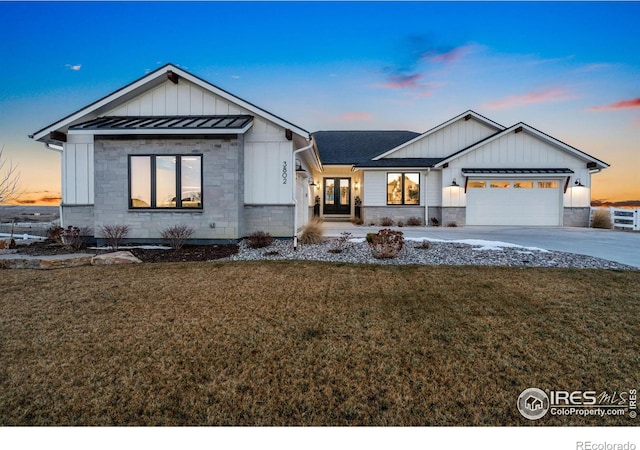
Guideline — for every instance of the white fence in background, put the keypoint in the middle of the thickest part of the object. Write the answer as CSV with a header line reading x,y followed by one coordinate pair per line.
x,y
628,219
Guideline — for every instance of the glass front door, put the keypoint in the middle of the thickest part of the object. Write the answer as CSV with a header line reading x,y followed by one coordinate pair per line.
x,y
337,195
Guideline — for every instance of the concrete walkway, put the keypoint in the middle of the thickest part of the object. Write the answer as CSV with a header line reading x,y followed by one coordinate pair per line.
x,y
618,246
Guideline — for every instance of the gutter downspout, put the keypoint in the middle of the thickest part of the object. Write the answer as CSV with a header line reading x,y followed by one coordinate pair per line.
x,y
63,175
426,193
293,192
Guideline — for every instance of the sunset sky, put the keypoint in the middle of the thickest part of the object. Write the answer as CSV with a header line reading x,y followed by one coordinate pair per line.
x,y
570,69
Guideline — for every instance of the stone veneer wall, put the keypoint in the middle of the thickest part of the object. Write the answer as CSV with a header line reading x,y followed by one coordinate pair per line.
x,y
576,217
223,186
277,220
457,215
373,214
80,216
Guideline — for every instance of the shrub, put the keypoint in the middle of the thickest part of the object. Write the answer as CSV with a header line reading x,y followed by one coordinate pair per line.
x,y
452,224
386,243
312,232
423,245
435,222
601,219
114,234
73,237
176,235
400,223
414,222
54,233
259,239
357,221
342,243
386,221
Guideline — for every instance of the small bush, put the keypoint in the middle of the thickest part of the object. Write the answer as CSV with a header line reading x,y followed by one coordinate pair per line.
x,y
452,224
114,234
414,222
435,222
177,235
386,221
601,219
357,221
54,234
400,223
386,243
312,232
423,245
74,238
259,239
342,243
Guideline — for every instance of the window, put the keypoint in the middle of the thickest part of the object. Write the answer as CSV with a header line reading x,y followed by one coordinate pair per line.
x,y
547,185
500,184
476,184
523,184
165,181
403,188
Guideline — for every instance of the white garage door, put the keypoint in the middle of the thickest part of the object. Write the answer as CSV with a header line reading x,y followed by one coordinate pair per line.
x,y
514,202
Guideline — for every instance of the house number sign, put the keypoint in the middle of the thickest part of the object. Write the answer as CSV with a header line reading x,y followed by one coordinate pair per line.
x,y
284,172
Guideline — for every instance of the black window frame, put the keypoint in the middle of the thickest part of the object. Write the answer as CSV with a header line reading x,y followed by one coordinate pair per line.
x,y
152,158
402,178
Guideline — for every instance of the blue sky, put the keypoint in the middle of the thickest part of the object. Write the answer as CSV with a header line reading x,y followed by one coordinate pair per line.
x,y
570,69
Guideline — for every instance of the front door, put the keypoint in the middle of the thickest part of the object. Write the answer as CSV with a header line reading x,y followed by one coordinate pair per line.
x,y
337,196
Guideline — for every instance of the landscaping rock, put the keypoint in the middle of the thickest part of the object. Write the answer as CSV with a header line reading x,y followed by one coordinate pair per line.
x,y
18,261
122,257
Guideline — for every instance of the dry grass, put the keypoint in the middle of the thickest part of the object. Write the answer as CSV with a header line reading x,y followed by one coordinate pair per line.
x,y
601,219
296,343
312,232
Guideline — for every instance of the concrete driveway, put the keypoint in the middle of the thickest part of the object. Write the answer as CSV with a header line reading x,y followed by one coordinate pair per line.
x,y
619,246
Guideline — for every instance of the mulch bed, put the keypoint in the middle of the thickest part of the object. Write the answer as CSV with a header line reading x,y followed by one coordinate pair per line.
x,y
185,254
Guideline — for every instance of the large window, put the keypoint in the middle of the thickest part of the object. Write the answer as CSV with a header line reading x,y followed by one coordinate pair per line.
x,y
403,188
165,181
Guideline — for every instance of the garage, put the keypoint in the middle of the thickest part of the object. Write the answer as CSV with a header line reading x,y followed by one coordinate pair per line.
x,y
532,199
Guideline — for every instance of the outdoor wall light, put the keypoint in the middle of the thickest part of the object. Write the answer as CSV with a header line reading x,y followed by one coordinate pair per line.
x,y
356,185
312,183
453,183
578,184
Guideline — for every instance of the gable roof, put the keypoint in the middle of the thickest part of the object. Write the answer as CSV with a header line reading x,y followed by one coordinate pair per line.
x,y
356,147
523,127
143,84
467,115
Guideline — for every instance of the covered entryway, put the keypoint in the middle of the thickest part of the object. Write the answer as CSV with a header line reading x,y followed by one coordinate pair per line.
x,y
515,201
337,196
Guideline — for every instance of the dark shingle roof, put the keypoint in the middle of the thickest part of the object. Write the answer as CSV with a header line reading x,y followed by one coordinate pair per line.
x,y
401,162
357,147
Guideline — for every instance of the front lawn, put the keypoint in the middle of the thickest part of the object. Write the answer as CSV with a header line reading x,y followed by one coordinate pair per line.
x,y
306,343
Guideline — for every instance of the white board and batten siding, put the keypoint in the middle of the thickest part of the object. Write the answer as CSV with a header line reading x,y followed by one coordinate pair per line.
x,y
516,206
447,140
269,170
77,168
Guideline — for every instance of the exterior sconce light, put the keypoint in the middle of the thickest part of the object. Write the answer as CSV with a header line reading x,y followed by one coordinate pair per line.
x,y
454,184
578,184
356,185
312,183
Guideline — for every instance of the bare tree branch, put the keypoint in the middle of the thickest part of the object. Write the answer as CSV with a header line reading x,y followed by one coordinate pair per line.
x,y
9,179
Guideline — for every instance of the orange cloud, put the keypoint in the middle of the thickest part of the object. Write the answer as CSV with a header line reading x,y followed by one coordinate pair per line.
x,y
549,95
624,104
356,116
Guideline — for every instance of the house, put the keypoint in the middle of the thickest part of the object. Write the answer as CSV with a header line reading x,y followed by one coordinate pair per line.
x,y
468,170
171,148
